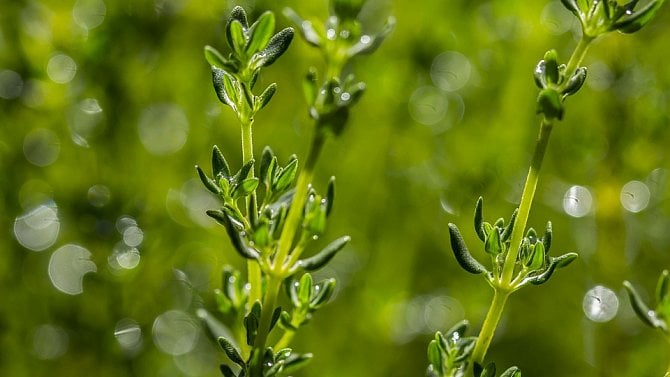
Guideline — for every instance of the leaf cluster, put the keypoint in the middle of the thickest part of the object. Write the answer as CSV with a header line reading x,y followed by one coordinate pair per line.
x,y
598,17
449,355
555,85
534,265
252,48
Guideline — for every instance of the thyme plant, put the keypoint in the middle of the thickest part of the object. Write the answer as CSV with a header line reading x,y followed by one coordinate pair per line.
x,y
273,214
519,256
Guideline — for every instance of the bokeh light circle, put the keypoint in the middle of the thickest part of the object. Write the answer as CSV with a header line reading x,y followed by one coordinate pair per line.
x,y
635,196
600,304
175,333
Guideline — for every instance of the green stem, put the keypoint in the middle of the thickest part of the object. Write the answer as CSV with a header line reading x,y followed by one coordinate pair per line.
x,y
285,340
295,211
578,55
526,202
490,324
269,303
253,268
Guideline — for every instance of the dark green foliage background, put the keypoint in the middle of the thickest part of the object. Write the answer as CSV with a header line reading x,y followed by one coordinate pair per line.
x,y
395,179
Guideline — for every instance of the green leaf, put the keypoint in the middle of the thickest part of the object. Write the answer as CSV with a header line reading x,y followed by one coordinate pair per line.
x,y
536,261
330,195
549,104
245,170
435,356
235,237
266,159
479,219
355,93
324,256
232,352
295,362
224,86
226,371
461,252
565,259
276,47
575,82
323,291
214,57
662,287
286,177
572,6
275,317
507,233
459,328
244,188
551,67
236,37
367,44
465,348
544,276
251,322
260,32
640,308
208,182
219,163
311,35
285,322
238,14
305,289
511,372
638,19
267,95
493,244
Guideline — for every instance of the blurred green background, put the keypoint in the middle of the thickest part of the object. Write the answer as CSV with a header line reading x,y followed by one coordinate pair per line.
x,y
105,106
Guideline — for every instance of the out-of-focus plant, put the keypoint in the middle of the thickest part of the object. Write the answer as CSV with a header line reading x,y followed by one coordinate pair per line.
x,y
272,217
519,257
659,316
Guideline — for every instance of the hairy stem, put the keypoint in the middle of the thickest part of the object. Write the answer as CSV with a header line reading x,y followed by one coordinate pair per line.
x,y
490,324
526,202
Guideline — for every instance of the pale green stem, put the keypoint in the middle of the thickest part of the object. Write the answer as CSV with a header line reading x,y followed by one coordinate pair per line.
x,y
578,55
253,268
490,324
285,340
294,216
526,202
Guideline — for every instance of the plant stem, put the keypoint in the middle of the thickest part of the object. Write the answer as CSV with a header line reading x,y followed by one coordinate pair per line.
x,y
295,211
253,268
526,202
285,340
264,324
578,55
490,324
